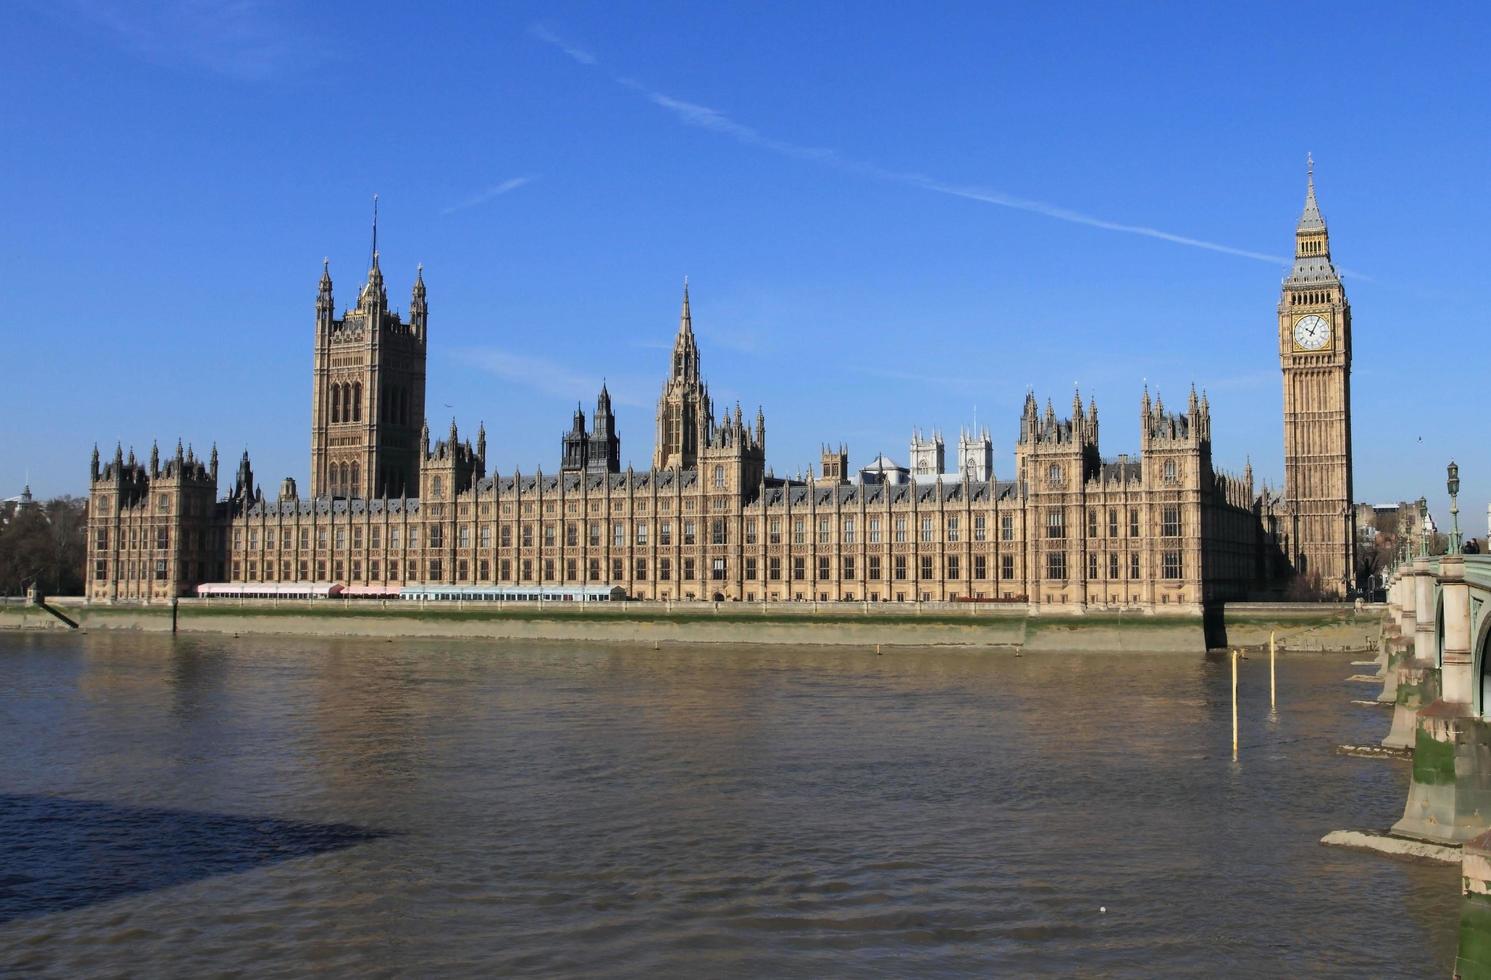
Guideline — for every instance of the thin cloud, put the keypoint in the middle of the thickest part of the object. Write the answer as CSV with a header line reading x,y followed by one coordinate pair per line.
x,y
243,39
495,191
713,120
936,380
545,375
579,54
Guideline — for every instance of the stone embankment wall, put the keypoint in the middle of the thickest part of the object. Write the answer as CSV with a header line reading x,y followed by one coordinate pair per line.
x,y
1315,627
1302,626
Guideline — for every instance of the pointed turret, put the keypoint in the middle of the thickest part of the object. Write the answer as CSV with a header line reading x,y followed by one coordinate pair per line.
x,y
154,459
419,308
685,350
760,429
212,465
243,485
1145,406
373,293
424,438
93,463
324,302
481,448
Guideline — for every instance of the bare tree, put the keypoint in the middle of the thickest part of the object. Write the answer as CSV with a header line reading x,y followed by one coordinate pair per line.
x,y
44,544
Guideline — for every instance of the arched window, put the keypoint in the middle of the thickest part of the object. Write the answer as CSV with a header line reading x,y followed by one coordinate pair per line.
x,y
719,476
403,405
1169,471
357,401
345,484
346,403
435,488
354,489
336,403
1053,475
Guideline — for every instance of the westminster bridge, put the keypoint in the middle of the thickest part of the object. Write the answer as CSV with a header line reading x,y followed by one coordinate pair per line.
x,y
1437,674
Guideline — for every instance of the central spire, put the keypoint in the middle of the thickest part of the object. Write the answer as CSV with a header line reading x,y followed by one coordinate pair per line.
x,y
685,351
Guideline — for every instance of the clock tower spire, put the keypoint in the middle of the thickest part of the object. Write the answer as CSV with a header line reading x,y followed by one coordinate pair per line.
x,y
1315,357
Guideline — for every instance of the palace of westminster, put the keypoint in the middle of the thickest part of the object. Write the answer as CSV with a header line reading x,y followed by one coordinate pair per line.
x,y
387,508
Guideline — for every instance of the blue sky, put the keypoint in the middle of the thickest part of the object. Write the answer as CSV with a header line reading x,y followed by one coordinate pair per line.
x,y
890,216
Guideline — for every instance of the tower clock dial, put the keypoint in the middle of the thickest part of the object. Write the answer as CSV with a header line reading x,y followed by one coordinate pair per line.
x,y
1311,332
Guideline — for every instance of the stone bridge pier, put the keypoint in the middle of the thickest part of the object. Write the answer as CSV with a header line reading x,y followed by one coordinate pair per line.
x,y
1414,672
1449,797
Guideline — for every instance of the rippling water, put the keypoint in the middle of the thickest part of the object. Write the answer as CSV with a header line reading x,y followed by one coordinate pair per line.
x,y
180,807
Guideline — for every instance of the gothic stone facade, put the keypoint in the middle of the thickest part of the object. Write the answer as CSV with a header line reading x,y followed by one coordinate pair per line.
x,y
1067,530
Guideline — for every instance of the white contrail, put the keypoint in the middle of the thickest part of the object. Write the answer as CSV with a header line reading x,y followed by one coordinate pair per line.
x,y
579,54
496,190
704,117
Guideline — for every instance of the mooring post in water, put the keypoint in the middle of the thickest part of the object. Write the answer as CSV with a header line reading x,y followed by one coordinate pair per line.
x,y
1234,704
1272,703
173,615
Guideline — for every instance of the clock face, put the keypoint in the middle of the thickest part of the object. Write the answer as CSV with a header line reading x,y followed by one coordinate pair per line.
x,y
1311,332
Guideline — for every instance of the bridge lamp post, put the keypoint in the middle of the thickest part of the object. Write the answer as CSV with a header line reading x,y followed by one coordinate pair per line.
x,y
1423,527
1453,485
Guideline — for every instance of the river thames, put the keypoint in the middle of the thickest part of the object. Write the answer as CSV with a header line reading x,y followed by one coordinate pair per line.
x,y
272,807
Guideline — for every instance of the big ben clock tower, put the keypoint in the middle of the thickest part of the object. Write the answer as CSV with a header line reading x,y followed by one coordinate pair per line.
x,y
1315,355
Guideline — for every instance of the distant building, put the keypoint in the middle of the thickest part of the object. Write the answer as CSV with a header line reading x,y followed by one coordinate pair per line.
x,y
21,500
881,470
975,455
975,459
926,455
